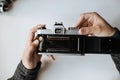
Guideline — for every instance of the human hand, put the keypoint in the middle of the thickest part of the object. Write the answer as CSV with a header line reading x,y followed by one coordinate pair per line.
x,y
30,57
92,24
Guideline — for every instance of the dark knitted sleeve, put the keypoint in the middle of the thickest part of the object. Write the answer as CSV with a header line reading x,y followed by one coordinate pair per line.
x,y
117,34
116,57
23,73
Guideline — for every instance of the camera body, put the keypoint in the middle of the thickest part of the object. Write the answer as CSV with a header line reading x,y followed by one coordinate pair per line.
x,y
59,29
5,5
69,41
59,40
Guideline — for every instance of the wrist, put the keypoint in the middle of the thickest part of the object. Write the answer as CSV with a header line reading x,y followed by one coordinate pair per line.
x,y
29,64
113,31
28,68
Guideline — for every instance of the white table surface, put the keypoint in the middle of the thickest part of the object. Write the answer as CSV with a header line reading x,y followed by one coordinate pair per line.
x,y
15,24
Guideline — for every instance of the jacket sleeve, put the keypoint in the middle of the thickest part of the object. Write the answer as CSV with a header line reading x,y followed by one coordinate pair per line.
x,y
116,57
23,73
117,34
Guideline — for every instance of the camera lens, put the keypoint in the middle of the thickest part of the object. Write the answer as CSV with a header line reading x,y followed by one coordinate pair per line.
x,y
5,7
0,5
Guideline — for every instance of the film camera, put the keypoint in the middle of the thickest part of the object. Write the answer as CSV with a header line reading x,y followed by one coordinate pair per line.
x,y
5,5
69,41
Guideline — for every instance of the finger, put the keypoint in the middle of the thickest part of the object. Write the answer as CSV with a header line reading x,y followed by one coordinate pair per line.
x,y
86,30
39,57
86,17
85,24
33,30
36,43
80,21
51,56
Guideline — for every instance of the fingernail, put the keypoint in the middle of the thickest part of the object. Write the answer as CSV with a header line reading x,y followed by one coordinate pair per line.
x,y
36,41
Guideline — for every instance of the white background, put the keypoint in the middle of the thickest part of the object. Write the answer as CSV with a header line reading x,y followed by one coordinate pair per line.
x,y
15,24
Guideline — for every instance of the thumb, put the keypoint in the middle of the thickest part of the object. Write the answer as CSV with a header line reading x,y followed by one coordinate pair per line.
x,y
36,43
86,30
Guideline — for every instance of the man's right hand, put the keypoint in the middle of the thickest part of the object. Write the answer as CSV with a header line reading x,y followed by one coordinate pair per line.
x,y
92,24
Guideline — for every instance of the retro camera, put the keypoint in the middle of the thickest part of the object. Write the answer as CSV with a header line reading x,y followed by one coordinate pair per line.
x,y
5,5
69,41
59,40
